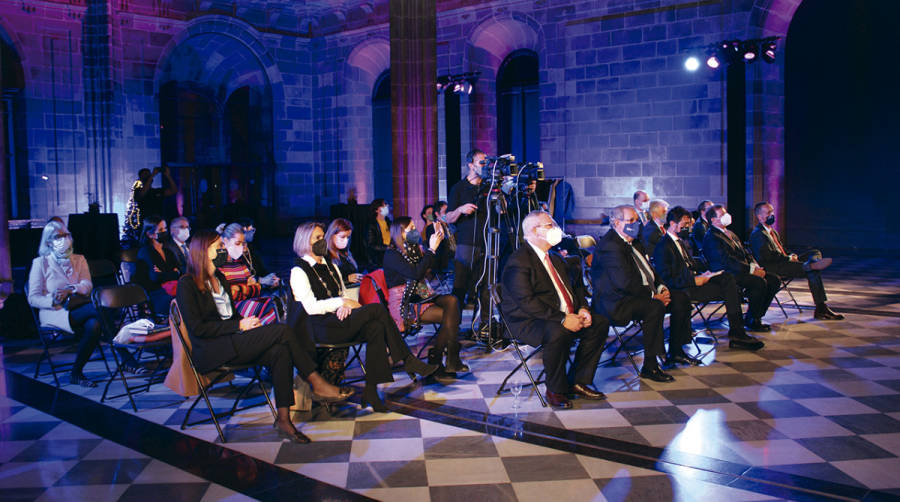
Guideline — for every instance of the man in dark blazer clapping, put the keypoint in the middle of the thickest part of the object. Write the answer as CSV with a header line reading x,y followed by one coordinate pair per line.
x,y
679,271
770,251
724,251
626,288
543,306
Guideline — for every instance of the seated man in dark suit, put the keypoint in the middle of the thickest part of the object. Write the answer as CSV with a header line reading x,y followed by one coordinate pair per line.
x,y
769,250
180,232
542,306
641,201
626,289
724,251
655,228
701,226
680,272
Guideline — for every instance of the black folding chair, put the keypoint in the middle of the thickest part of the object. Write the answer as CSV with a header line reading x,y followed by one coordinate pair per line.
x,y
523,361
413,326
623,337
118,306
784,283
214,377
127,265
56,338
103,273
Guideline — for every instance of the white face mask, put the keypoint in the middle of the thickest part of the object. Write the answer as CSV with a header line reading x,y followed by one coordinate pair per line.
x,y
234,251
62,246
182,234
341,242
554,236
725,220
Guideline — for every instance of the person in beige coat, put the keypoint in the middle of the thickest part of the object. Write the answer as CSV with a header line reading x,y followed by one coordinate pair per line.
x,y
57,276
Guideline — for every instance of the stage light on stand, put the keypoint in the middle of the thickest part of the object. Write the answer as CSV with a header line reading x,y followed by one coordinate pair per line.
x,y
713,61
749,50
768,52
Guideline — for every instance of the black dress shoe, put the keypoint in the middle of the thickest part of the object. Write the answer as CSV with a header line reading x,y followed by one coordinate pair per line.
x,y
558,400
757,326
657,375
826,314
745,342
683,359
295,437
587,392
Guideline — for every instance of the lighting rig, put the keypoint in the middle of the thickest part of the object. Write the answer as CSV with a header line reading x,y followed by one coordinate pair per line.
x,y
461,83
729,52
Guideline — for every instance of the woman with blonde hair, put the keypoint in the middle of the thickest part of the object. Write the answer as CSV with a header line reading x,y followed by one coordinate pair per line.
x,y
335,318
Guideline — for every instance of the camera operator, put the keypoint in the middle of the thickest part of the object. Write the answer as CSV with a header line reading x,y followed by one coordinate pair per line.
x,y
150,200
469,219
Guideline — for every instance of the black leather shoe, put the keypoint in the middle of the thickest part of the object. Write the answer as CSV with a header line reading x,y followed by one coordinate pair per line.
x,y
745,342
414,365
295,437
817,264
757,326
558,400
683,359
826,314
587,392
657,375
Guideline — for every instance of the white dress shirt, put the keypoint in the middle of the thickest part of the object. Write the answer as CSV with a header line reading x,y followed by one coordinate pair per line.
x,y
303,292
542,256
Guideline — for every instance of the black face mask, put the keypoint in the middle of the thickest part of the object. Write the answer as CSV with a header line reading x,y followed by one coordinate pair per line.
x,y
319,248
770,220
684,234
221,258
162,236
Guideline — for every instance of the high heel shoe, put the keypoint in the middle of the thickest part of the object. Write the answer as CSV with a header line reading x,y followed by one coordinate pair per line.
x,y
458,367
343,394
413,364
295,437
370,396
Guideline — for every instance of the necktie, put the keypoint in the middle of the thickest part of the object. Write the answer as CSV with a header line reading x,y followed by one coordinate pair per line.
x,y
774,237
681,250
570,306
643,267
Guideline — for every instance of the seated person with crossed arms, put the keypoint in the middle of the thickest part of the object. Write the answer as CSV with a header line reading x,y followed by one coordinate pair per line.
x,y
680,271
543,306
627,289
769,250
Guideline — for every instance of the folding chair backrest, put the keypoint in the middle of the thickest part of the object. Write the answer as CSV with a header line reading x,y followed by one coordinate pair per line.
x,y
128,265
117,305
373,288
103,272
182,376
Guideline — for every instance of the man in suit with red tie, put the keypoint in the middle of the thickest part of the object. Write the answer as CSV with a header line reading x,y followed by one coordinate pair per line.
x,y
679,271
724,251
543,306
626,289
770,251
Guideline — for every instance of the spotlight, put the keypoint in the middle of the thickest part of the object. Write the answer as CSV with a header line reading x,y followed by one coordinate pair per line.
x,y
749,51
457,87
768,53
691,63
713,61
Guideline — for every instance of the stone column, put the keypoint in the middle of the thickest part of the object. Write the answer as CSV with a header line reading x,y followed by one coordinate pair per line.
x,y
413,29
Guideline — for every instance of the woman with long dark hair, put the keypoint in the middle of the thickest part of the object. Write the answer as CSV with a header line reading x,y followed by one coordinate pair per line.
x,y
157,266
334,318
338,238
219,335
405,267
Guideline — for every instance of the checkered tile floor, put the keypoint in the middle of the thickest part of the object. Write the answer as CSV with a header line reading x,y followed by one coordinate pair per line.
x,y
44,458
816,412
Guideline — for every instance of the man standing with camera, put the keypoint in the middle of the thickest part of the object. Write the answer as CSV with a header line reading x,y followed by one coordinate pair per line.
x,y
469,219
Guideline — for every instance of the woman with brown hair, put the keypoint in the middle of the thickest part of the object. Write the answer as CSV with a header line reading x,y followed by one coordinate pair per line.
x,y
219,335
405,267
338,239
334,318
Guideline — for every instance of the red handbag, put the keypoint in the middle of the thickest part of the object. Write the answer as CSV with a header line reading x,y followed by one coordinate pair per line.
x,y
170,286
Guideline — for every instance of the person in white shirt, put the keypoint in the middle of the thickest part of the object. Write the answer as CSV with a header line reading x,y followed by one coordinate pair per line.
x,y
334,317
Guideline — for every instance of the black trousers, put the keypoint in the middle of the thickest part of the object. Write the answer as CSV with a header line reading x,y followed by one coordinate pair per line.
x,y
269,346
372,325
85,322
722,287
652,312
760,291
794,270
467,269
558,341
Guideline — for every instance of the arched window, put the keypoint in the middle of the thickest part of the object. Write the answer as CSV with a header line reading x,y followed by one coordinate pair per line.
x,y
12,113
381,138
518,107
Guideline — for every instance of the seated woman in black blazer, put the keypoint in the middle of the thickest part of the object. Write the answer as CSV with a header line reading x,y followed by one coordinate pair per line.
x,y
405,266
156,264
219,335
334,318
